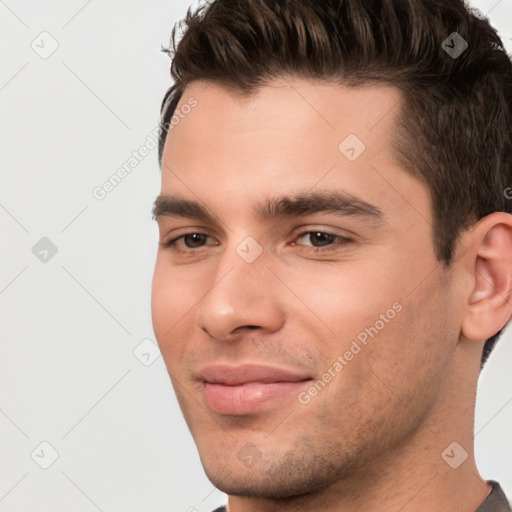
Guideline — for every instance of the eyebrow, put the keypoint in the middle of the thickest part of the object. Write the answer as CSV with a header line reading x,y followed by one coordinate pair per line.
x,y
339,203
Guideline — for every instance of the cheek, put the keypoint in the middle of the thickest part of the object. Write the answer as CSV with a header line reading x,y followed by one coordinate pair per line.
x,y
395,316
161,299
412,352
170,302
345,299
392,366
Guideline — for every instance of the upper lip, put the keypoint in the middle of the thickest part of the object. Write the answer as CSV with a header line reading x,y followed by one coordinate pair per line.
x,y
241,374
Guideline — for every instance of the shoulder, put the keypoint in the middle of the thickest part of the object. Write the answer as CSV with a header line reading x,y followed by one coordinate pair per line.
x,y
496,501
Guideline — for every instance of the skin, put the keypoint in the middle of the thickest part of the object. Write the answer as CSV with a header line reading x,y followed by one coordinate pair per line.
x,y
371,439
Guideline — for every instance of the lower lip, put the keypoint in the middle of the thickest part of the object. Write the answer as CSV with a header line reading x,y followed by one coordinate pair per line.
x,y
247,398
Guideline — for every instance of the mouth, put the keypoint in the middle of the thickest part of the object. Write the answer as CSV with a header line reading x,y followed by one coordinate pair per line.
x,y
246,389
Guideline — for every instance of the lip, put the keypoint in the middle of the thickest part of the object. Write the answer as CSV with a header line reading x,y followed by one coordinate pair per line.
x,y
248,388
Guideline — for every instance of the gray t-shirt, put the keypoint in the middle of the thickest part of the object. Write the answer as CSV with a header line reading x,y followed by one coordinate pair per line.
x,y
495,502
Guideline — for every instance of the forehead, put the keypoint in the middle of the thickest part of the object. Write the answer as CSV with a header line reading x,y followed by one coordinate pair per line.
x,y
288,136
321,109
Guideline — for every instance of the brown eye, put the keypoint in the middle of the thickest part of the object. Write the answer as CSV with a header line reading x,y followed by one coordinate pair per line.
x,y
319,242
187,242
193,240
320,239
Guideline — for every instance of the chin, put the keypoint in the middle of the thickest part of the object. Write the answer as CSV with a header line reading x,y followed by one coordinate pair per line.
x,y
283,476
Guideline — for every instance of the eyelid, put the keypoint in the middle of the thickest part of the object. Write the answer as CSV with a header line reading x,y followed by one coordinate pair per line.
x,y
338,242
183,231
323,228
323,231
171,240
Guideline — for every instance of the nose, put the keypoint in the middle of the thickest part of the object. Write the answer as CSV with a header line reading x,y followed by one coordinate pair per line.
x,y
242,296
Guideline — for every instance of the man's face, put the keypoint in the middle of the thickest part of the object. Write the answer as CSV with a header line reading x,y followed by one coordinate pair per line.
x,y
357,325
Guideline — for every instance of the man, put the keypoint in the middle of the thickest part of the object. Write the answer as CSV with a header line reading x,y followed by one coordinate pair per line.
x,y
335,249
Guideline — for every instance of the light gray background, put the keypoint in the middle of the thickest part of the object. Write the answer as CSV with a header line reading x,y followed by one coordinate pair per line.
x,y
69,326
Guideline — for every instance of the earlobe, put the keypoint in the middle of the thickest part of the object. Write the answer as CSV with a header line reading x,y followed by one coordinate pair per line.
x,y
489,303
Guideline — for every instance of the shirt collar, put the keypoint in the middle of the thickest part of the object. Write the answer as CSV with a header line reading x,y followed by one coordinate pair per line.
x,y
496,501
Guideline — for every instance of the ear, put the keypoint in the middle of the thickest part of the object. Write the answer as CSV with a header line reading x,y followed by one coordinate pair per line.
x,y
489,262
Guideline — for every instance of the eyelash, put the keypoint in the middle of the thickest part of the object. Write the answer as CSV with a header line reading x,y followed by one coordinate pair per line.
x,y
342,240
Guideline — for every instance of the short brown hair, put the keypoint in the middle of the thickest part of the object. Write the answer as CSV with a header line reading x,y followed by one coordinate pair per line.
x,y
454,129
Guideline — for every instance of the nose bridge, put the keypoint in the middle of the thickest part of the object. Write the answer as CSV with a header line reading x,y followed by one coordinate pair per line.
x,y
241,275
241,293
